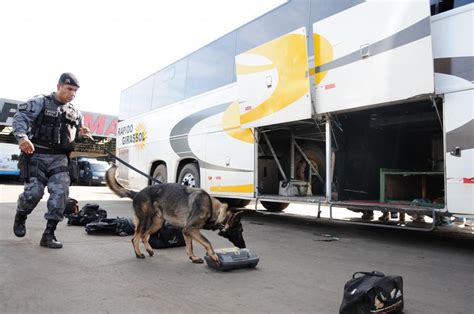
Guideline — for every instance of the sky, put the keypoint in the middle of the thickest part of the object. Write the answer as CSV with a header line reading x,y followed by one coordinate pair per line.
x,y
108,44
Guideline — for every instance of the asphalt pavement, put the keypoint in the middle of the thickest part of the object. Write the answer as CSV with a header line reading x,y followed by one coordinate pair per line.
x,y
304,264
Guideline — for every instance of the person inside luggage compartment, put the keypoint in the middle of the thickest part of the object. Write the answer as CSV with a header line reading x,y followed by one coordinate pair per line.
x,y
47,128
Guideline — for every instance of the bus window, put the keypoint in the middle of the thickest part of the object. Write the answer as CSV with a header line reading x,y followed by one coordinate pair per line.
x,y
141,96
290,16
211,66
439,6
169,84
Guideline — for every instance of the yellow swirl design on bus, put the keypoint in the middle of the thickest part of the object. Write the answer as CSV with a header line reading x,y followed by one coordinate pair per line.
x,y
323,53
231,124
249,69
288,54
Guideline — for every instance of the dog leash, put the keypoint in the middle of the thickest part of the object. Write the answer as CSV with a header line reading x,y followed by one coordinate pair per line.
x,y
127,164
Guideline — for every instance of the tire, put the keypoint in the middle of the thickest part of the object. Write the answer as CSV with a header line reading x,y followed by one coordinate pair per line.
x,y
274,206
235,202
160,173
317,158
244,203
189,176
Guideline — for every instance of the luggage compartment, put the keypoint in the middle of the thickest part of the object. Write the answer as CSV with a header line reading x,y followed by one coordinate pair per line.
x,y
392,154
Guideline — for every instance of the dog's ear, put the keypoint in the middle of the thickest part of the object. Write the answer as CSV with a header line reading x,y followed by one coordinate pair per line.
x,y
237,216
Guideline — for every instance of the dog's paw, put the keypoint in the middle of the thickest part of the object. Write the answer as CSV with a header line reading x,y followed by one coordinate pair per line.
x,y
196,260
140,255
150,252
216,259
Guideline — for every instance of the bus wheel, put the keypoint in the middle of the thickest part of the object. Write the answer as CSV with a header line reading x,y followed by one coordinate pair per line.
x,y
160,173
274,206
189,176
234,202
244,203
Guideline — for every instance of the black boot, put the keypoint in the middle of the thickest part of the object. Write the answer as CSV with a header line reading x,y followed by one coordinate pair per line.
x,y
48,239
19,228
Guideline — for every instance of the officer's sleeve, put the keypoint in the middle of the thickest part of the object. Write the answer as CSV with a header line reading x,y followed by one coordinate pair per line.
x,y
25,116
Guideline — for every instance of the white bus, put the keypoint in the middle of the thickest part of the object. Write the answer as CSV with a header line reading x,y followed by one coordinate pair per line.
x,y
9,155
366,105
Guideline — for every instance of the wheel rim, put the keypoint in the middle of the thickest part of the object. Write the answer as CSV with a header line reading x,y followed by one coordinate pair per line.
x,y
189,180
159,178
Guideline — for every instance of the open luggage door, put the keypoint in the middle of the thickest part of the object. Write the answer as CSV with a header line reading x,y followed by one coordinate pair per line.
x,y
273,81
375,53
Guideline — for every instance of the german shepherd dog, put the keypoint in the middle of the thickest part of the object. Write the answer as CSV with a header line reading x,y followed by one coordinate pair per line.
x,y
187,208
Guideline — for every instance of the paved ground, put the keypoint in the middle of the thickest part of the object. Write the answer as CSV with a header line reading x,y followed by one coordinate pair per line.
x,y
297,271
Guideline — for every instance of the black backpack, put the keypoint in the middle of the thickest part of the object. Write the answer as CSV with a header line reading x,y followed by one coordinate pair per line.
x,y
167,236
88,213
121,226
372,292
72,206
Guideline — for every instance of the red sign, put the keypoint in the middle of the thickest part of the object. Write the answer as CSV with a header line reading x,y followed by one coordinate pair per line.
x,y
100,124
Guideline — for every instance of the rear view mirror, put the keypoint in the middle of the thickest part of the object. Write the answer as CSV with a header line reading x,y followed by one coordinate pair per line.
x,y
15,157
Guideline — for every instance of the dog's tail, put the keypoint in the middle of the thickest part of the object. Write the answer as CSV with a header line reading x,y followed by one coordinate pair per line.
x,y
115,186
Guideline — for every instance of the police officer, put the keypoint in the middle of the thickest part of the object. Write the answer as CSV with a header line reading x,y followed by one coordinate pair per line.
x,y
47,128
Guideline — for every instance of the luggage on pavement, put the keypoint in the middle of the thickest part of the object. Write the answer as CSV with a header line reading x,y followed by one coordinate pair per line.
x,y
168,236
233,258
87,214
372,292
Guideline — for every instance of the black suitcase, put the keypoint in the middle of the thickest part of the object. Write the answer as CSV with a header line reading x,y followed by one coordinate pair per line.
x,y
372,292
168,236
121,226
88,213
233,258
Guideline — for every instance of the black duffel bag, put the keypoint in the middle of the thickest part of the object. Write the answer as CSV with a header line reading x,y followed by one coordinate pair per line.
x,y
72,207
372,292
121,226
87,214
167,236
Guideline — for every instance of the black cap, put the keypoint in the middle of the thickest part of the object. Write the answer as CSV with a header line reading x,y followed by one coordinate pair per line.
x,y
68,78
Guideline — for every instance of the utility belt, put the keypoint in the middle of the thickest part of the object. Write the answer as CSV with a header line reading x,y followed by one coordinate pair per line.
x,y
37,169
51,151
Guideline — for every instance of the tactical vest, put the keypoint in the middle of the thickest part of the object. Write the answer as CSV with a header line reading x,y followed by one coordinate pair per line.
x,y
56,126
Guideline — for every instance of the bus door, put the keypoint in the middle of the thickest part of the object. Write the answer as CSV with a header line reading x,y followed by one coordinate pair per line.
x,y
273,81
459,128
373,53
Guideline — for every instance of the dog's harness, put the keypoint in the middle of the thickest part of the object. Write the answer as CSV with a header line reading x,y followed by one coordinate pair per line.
x,y
212,224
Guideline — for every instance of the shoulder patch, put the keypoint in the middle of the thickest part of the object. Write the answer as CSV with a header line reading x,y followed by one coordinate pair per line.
x,y
22,107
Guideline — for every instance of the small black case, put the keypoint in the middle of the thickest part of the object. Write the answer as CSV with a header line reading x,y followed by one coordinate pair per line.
x,y
233,258
168,236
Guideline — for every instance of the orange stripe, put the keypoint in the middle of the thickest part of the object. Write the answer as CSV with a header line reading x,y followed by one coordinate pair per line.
x,y
246,188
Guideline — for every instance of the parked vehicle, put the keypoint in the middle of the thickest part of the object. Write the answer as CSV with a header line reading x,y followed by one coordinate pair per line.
x,y
365,105
9,155
89,171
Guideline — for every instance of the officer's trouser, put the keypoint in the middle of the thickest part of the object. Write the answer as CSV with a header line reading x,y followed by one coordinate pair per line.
x,y
42,173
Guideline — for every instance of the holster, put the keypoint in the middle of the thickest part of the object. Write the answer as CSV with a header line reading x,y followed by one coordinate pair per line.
x,y
24,166
38,170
